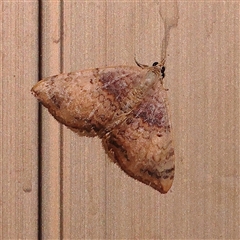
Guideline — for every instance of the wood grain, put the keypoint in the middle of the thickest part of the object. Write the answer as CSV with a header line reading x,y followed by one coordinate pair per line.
x,y
51,152
18,123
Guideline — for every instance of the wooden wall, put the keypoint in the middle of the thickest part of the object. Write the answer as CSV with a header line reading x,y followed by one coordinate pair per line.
x,y
56,185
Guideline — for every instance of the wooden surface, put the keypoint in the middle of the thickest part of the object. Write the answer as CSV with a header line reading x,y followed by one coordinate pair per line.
x,y
76,192
18,123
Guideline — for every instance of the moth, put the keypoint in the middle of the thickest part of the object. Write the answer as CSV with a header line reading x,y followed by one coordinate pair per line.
x,y
126,107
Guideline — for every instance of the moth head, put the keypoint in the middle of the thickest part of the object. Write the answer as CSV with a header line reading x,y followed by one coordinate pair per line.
x,y
157,68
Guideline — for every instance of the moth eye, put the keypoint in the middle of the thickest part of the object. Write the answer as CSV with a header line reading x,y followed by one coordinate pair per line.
x,y
163,71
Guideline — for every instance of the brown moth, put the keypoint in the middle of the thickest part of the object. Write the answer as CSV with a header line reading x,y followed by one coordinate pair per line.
x,y
124,106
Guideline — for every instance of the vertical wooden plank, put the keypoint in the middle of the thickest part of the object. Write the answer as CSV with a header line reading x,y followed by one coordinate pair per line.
x,y
51,132
203,70
83,158
18,124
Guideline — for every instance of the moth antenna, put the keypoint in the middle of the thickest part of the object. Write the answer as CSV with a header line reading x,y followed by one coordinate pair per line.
x,y
139,64
162,63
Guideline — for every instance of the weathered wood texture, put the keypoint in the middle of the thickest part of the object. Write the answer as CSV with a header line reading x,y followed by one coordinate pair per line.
x,y
50,130
83,194
18,120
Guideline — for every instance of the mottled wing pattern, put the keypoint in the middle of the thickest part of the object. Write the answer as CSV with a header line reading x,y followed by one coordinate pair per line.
x,y
90,100
126,107
142,144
